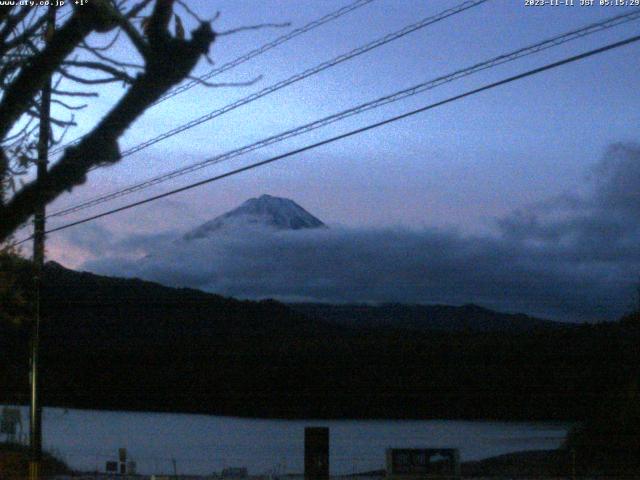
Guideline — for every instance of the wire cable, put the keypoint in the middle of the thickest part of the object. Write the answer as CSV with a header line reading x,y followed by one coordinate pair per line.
x,y
308,73
305,74
402,94
466,5
248,56
351,133
265,48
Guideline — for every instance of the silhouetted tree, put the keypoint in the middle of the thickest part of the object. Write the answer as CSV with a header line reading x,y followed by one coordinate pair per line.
x,y
609,441
14,297
27,63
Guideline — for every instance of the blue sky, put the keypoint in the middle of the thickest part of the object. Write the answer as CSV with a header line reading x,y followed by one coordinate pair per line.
x,y
462,168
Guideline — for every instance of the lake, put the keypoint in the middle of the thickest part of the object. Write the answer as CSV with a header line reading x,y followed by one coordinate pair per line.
x,y
202,444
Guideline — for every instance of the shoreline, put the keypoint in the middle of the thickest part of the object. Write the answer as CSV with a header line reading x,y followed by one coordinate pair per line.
x,y
299,418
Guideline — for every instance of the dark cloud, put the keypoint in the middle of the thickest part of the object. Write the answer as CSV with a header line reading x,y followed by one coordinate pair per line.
x,y
571,257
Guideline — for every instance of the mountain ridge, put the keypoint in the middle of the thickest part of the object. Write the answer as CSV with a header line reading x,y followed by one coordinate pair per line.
x,y
351,316
130,344
469,318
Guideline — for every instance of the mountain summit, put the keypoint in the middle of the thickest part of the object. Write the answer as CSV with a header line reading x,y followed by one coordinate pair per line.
x,y
266,210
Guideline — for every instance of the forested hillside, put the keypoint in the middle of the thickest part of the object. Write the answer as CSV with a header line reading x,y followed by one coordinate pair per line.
x,y
129,344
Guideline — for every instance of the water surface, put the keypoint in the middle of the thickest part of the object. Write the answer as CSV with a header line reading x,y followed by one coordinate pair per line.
x,y
202,444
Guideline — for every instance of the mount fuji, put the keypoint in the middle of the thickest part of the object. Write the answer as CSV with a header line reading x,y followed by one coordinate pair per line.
x,y
265,211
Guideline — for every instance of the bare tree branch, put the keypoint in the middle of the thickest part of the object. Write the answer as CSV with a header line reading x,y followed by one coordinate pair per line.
x,y
32,76
117,63
136,9
24,36
169,61
138,41
102,48
253,27
63,123
91,81
193,15
117,74
4,11
12,22
68,93
69,107
19,133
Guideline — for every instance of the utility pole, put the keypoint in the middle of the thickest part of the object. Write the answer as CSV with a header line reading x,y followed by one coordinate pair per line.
x,y
35,410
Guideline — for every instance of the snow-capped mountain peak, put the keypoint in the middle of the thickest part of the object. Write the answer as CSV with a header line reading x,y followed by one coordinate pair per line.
x,y
264,211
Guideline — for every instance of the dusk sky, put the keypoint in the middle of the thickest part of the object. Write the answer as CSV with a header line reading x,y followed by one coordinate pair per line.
x,y
523,198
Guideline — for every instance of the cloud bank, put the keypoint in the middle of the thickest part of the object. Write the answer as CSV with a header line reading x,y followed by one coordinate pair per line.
x,y
570,257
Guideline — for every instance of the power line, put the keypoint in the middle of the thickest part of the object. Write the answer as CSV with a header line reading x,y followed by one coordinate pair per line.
x,y
249,55
402,94
266,47
305,74
351,133
308,73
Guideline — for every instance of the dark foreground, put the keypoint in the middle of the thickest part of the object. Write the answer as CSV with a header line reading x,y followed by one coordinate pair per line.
x,y
132,345
543,464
